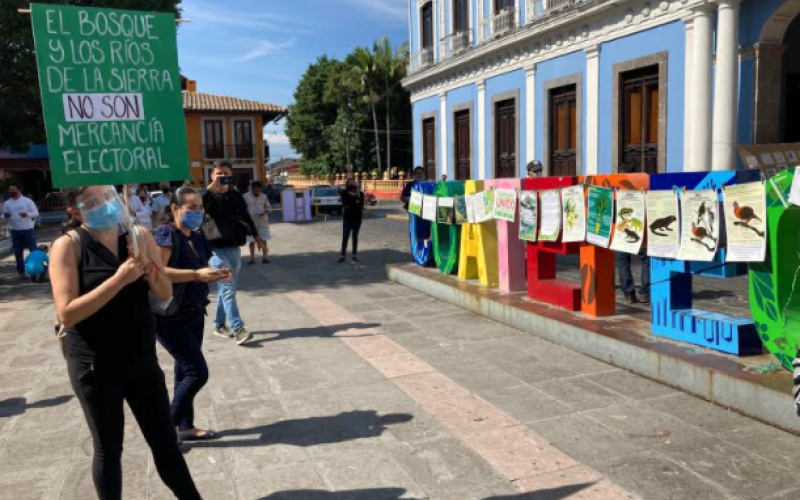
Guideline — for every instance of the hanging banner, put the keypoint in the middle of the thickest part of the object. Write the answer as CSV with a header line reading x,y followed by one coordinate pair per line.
x,y
551,215
573,214
461,210
528,215
505,204
111,95
483,206
429,207
445,211
745,222
600,215
415,203
663,231
699,225
630,222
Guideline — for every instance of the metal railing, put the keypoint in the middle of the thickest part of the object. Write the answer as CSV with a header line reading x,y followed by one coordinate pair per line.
x,y
220,151
456,43
504,22
421,60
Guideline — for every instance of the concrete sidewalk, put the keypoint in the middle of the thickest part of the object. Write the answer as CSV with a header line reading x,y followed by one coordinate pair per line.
x,y
358,388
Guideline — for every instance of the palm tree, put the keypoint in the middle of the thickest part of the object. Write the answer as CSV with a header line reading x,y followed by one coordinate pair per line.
x,y
392,64
365,78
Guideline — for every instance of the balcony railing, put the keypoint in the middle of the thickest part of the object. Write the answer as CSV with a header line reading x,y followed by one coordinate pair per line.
x,y
421,60
219,151
504,22
455,44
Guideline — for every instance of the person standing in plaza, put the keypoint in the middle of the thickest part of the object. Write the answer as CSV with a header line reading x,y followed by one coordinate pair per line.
x,y
405,196
259,207
19,212
230,224
101,292
186,253
353,208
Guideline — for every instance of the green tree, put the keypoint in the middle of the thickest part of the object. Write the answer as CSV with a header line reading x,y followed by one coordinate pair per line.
x,y
365,77
20,102
392,67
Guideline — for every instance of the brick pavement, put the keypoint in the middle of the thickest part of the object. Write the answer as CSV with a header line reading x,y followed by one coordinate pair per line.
x,y
347,394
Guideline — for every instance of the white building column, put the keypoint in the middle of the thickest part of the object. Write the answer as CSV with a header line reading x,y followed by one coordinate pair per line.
x,y
726,85
700,88
688,95
479,25
445,157
592,109
481,130
530,115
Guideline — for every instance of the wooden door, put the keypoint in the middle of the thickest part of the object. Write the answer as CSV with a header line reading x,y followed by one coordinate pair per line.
x,y
506,139
640,117
563,132
243,130
429,148
463,151
427,26
460,16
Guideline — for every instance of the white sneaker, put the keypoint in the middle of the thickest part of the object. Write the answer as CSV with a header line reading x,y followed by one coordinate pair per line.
x,y
243,336
223,331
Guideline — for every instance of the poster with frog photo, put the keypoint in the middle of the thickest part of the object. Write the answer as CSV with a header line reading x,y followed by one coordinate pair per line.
x,y
573,210
663,226
630,222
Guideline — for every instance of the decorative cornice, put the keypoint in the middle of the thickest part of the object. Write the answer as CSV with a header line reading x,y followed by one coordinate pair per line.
x,y
585,27
592,51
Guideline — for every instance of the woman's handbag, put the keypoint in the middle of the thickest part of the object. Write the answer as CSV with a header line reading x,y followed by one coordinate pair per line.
x,y
170,307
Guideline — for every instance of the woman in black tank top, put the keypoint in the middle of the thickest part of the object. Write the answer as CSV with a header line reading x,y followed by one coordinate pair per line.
x,y
101,294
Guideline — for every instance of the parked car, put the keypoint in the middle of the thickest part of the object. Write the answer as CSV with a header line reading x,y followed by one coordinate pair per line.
x,y
326,200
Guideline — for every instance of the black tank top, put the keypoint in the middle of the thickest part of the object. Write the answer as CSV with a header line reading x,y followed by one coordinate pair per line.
x,y
123,329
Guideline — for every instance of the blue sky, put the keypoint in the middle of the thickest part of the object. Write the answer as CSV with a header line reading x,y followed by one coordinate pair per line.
x,y
259,49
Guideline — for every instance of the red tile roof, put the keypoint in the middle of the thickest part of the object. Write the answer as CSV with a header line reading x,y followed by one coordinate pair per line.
x,y
198,102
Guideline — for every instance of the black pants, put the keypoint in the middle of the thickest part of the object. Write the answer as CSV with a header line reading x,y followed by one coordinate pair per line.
x,y
101,388
182,337
624,261
350,227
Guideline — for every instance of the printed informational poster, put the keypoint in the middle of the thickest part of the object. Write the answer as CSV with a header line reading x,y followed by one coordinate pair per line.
x,y
794,194
483,206
429,207
445,211
470,201
573,214
415,203
528,215
461,210
551,215
699,225
600,216
111,95
630,222
663,219
505,204
746,222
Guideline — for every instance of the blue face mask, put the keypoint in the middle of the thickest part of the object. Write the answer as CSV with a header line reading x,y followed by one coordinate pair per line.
x,y
192,219
104,217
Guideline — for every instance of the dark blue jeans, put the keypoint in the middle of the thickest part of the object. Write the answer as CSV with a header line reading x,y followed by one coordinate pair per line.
x,y
21,240
182,336
626,282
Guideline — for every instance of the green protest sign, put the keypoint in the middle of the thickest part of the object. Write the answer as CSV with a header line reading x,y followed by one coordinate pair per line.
x,y
111,95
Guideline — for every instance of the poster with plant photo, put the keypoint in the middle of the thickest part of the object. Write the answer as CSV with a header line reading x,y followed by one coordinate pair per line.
x,y
573,211
445,211
415,203
461,210
528,215
601,216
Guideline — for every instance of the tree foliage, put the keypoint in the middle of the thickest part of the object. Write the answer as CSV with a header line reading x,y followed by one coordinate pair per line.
x,y
20,102
351,104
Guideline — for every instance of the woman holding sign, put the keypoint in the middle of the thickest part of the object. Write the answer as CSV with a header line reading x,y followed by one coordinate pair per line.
x,y
101,281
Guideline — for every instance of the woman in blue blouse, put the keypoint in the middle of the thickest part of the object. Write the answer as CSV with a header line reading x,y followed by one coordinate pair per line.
x,y
187,252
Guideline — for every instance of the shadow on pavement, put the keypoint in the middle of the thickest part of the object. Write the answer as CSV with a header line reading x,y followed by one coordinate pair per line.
x,y
312,431
317,331
563,492
17,406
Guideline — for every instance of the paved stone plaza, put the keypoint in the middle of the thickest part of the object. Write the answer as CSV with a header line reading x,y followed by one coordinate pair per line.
x,y
358,388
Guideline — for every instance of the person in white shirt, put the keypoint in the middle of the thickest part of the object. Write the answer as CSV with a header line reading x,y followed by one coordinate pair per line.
x,y
142,208
259,207
19,212
160,204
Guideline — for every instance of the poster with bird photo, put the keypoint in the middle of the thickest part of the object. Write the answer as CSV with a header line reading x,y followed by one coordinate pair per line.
x,y
445,211
699,225
573,209
745,222
663,226
630,222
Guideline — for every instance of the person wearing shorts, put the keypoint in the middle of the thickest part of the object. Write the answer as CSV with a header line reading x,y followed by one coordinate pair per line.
x,y
259,208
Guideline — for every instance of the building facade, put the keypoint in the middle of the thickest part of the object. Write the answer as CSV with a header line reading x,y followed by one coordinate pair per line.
x,y
599,86
226,128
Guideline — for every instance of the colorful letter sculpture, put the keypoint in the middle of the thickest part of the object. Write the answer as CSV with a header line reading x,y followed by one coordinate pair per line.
x,y
598,296
543,285
773,301
510,249
671,291
446,237
420,230
478,257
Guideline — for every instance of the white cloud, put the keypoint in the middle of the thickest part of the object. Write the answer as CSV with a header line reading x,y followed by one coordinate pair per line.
x,y
394,9
276,138
208,16
265,48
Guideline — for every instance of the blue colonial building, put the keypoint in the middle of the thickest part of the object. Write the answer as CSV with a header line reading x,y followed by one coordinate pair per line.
x,y
600,86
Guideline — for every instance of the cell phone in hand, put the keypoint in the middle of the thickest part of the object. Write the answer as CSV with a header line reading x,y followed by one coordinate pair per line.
x,y
226,180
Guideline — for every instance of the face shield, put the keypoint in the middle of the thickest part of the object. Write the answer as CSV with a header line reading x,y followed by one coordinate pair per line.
x,y
102,209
